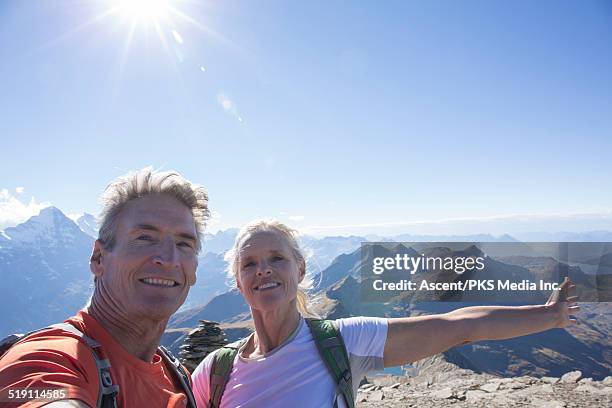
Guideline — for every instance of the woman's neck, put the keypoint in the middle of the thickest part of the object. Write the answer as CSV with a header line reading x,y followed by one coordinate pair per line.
x,y
271,329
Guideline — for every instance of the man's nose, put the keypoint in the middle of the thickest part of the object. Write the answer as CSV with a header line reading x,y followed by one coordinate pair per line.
x,y
167,255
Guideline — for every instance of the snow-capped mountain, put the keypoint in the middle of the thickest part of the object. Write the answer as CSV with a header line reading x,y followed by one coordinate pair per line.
x,y
51,228
220,241
44,270
88,224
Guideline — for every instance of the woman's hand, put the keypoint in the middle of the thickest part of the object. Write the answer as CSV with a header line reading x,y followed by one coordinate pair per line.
x,y
563,305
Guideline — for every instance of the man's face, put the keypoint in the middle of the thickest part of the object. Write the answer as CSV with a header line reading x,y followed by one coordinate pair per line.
x,y
153,263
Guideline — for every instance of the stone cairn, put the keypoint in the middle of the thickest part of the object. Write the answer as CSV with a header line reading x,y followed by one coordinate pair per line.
x,y
200,342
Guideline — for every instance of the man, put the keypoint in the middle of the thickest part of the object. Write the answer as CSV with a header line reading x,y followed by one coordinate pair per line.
x,y
144,262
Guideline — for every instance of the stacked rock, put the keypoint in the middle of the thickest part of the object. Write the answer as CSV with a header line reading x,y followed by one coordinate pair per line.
x,y
200,342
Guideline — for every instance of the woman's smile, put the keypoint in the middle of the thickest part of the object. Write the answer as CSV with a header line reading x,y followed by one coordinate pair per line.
x,y
267,286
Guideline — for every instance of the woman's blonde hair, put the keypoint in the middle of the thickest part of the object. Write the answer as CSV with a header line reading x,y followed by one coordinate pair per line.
x,y
291,237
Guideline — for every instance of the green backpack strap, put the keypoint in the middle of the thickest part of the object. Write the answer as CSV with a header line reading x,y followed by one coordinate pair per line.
x,y
333,352
223,362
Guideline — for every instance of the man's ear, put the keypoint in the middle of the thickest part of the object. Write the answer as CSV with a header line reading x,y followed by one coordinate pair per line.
x,y
195,276
95,262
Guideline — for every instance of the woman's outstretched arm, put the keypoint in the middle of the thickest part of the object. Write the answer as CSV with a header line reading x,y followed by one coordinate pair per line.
x,y
412,338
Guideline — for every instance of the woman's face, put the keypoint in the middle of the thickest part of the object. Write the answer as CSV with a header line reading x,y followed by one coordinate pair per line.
x,y
268,273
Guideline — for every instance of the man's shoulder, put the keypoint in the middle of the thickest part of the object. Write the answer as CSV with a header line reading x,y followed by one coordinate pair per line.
x,y
49,350
51,358
48,338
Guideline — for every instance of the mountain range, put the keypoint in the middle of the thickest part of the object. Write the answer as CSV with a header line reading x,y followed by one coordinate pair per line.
x,y
44,266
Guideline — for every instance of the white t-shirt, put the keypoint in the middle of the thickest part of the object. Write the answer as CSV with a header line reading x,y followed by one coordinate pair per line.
x,y
294,375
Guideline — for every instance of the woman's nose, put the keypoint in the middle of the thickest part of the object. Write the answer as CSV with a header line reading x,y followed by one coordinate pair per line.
x,y
264,269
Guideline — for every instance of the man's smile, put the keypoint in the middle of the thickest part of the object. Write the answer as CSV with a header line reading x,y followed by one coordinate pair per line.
x,y
168,283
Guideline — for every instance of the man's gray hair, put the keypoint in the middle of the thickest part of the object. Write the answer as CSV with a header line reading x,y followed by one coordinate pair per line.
x,y
144,182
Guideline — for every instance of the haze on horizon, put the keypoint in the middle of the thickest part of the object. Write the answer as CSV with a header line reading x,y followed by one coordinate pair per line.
x,y
337,118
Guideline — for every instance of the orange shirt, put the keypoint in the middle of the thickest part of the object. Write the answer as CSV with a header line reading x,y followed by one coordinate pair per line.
x,y
55,358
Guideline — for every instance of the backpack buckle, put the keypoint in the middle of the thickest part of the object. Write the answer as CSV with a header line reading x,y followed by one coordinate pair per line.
x,y
346,375
106,379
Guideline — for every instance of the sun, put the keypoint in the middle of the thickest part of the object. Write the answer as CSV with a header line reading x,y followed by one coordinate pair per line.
x,y
141,20
144,11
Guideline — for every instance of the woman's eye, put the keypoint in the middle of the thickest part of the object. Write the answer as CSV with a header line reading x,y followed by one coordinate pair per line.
x,y
277,258
185,244
144,238
248,264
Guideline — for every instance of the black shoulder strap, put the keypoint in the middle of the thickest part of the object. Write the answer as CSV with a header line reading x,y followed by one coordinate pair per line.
x,y
179,372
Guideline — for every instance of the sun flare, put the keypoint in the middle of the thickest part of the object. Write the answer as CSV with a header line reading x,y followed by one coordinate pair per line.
x,y
144,11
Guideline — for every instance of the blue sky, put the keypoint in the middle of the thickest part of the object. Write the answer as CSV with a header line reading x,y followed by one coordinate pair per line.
x,y
319,113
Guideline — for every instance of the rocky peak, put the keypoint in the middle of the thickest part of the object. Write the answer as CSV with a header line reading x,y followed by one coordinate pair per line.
x,y
465,388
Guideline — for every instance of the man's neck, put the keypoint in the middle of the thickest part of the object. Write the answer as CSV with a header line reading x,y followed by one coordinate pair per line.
x,y
139,337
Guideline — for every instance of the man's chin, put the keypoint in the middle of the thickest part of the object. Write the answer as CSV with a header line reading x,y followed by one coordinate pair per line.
x,y
159,307
157,310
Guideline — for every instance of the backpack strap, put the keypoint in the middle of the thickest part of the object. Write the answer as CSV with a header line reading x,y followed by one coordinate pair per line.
x,y
223,361
107,397
179,372
333,352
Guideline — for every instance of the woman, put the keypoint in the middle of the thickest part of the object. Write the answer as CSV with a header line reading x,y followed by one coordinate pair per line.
x,y
279,364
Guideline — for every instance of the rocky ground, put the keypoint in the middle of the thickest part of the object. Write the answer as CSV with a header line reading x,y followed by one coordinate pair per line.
x,y
463,388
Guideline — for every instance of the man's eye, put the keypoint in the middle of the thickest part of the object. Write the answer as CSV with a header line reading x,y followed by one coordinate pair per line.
x,y
185,244
144,238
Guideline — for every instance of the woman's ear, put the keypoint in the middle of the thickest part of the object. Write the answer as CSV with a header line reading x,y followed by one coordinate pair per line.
x,y
95,261
302,268
238,285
